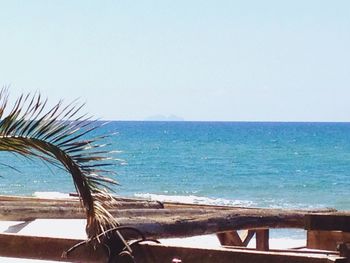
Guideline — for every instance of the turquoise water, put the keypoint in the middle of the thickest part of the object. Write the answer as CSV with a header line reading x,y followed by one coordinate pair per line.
x,y
300,165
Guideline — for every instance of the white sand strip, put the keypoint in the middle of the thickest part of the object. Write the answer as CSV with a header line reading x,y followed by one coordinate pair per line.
x,y
60,228
211,241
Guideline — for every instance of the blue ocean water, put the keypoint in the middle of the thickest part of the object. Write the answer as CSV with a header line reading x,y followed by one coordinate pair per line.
x,y
289,165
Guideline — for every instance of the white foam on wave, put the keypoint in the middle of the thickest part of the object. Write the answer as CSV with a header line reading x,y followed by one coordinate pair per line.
x,y
193,199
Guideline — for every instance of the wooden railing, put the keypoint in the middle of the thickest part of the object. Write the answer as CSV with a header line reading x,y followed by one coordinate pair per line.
x,y
161,220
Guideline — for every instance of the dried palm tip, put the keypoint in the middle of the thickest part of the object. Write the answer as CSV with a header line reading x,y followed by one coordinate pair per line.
x,y
56,135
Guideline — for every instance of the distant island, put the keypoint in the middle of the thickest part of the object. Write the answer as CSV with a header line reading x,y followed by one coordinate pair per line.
x,y
164,118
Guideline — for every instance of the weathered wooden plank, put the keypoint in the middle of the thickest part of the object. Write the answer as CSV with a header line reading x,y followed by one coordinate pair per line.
x,y
52,249
35,202
25,198
339,221
151,253
30,203
175,222
326,240
19,213
9,212
200,224
119,205
46,248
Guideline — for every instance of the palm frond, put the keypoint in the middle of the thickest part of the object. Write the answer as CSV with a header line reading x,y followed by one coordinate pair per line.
x,y
56,137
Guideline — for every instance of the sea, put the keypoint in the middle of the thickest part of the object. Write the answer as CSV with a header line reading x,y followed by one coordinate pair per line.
x,y
249,164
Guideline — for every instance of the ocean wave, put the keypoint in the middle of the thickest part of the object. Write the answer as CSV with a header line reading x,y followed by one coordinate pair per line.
x,y
193,199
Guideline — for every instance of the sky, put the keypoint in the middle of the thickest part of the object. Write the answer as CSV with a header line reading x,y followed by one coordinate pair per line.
x,y
198,60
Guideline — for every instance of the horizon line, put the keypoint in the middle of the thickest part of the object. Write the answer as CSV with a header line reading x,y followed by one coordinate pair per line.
x,y
232,121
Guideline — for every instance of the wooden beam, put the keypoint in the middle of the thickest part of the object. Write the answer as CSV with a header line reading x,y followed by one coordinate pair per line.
x,y
180,222
326,240
230,238
38,202
46,248
340,221
262,239
151,253
24,198
52,248
26,212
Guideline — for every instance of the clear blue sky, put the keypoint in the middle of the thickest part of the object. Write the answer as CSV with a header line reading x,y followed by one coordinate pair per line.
x,y
201,60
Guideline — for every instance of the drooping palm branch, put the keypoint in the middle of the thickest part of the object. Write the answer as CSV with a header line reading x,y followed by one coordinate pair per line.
x,y
57,136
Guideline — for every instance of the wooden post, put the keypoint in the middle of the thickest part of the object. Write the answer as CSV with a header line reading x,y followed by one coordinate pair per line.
x,y
326,231
326,240
230,238
262,239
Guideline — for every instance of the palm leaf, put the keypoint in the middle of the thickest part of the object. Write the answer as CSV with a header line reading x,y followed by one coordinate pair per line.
x,y
56,137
